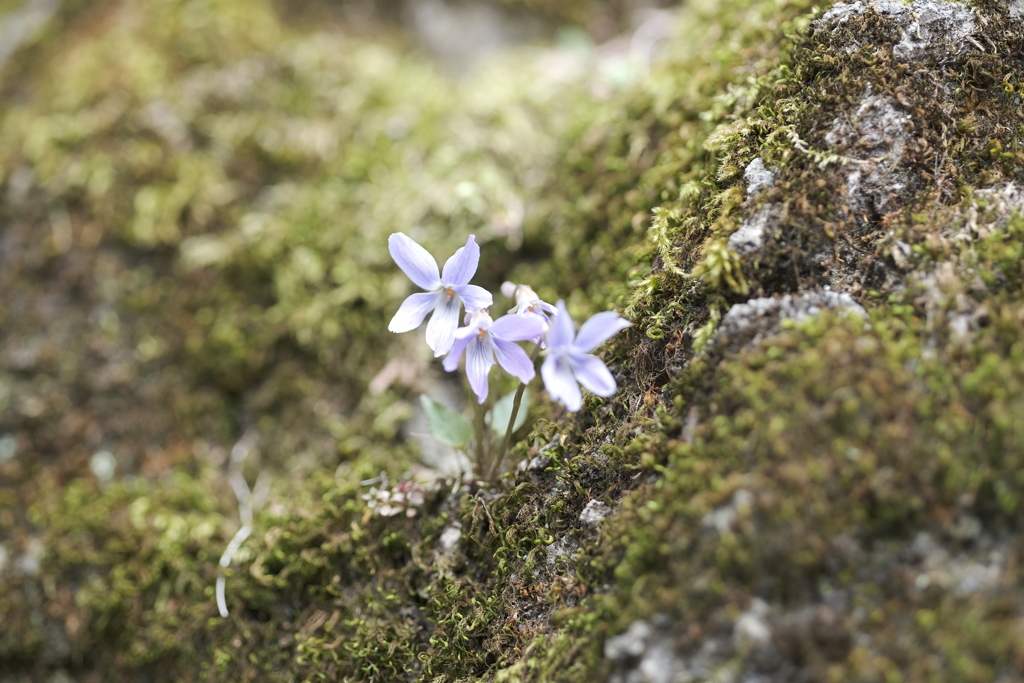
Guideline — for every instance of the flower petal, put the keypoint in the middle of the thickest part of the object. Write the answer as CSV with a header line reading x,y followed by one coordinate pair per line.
x,y
451,361
592,373
414,260
560,383
442,325
475,298
599,329
467,332
412,311
514,360
461,267
515,327
562,332
479,359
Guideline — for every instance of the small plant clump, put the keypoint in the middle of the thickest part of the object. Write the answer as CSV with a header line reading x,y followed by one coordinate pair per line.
x,y
486,342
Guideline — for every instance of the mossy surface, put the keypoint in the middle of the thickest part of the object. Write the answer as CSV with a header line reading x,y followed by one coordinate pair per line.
x,y
203,193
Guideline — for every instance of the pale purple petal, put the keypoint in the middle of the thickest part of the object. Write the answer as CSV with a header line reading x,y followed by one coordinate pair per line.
x,y
514,360
561,332
415,261
479,359
539,339
560,383
412,311
475,298
442,325
547,308
451,361
467,332
599,329
514,327
460,268
593,374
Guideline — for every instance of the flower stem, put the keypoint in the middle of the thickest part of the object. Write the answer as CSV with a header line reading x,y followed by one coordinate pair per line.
x,y
481,435
511,422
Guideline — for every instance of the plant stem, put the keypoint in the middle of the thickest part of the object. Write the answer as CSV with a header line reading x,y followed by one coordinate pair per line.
x,y
481,434
511,422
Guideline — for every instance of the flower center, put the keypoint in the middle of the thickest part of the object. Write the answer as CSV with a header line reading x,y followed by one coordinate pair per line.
x,y
450,292
480,332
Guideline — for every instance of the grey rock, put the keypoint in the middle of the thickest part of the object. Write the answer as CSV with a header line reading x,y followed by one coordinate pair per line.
x,y
871,140
929,28
750,323
594,512
21,26
752,629
721,519
751,236
629,645
758,177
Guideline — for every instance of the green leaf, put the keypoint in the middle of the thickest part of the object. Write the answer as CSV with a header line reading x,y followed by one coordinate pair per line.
x,y
447,426
502,411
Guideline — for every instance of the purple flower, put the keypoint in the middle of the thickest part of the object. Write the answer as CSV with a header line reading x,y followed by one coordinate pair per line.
x,y
569,362
445,295
484,339
528,303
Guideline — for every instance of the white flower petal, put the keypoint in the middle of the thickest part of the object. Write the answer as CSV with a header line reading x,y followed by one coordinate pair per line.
x,y
515,327
560,383
514,360
467,332
461,267
442,325
475,298
413,310
479,359
599,329
415,261
562,331
592,373
451,361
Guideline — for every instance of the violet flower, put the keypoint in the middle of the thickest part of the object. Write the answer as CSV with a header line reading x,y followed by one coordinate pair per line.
x,y
569,362
528,303
445,295
484,339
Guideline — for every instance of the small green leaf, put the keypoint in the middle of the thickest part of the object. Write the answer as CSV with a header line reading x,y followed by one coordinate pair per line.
x,y
502,411
447,426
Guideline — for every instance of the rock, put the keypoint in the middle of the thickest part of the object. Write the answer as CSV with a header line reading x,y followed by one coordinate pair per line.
x,y
757,177
630,644
752,629
721,519
751,235
929,28
872,139
29,562
594,512
450,538
8,447
750,323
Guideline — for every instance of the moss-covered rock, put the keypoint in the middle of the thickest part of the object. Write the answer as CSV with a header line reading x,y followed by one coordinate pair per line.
x,y
811,471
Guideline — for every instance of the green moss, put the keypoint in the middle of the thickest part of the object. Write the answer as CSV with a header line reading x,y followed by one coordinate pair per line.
x,y
232,279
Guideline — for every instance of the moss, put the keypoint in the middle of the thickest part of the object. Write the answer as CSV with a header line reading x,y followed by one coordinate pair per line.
x,y
211,203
